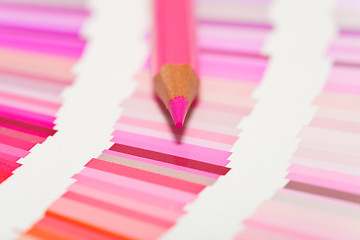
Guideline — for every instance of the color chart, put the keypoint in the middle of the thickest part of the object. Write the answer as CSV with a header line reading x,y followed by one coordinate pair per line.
x,y
270,148
321,199
38,50
139,187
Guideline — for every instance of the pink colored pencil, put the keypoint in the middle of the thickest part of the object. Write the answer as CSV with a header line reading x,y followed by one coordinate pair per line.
x,y
174,58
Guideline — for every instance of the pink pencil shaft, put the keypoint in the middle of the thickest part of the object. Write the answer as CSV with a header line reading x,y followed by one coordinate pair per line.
x,y
173,33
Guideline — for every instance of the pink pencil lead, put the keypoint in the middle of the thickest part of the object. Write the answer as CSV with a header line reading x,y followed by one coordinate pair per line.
x,y
178,108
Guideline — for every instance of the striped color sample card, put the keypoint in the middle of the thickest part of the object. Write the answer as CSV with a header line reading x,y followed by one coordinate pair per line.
x,y
321,199
139,187
38,50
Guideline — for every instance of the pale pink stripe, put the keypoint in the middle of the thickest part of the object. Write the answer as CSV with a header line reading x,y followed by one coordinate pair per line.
x,y
345,56
12,81
219,107
256,233
198,114
224,87
255,65
207,135
37,18
231,44
328,153
332,147
13,150
63,7
248,67
229,70
316,200
331,184
346,40
170,136
324,174
330,136
128,192
163,164
173,148
28,107
33,77
338,49
71,7
339,114
231,38
344,74
191,123
43,66
238,100
346,168
338,101
228,31
147,187
285,232
32,93
168,214
30,104
28,100
342,88
344,52
333,124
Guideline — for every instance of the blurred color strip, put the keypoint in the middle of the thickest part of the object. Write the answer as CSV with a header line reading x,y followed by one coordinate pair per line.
x,y
40,42
322,198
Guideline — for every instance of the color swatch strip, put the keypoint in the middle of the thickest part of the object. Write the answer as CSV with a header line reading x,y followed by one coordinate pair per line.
x,y
138,188
322,198
39,44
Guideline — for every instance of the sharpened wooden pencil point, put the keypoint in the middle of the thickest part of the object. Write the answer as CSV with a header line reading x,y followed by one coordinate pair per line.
x,y
177,86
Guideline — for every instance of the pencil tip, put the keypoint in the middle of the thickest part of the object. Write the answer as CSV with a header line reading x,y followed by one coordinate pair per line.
x,y
178,108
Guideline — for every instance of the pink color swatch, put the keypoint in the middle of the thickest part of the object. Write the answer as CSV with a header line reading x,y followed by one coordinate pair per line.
x,y
38,47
